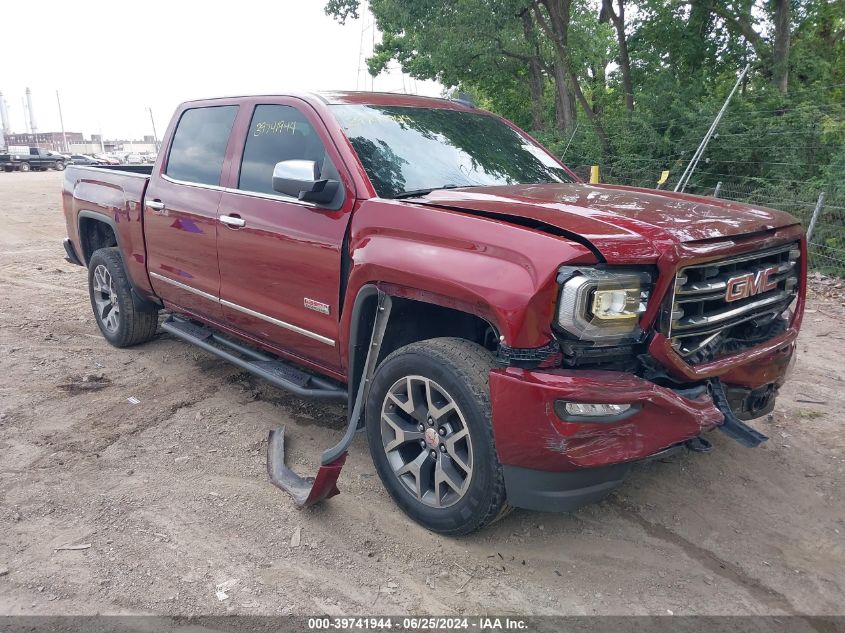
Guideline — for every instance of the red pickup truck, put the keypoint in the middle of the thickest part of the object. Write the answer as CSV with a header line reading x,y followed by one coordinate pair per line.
x,y
505,334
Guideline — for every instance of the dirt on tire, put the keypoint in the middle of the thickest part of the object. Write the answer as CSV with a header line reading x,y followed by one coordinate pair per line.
x,y
148,463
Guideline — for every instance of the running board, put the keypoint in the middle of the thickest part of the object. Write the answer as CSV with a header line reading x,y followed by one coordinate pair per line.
x,y
276,372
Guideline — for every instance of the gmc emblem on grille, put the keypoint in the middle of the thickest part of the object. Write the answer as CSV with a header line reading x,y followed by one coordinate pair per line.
x,y
750,284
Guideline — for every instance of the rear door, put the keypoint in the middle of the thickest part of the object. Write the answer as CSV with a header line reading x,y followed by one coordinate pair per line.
x,y
280,271
180,214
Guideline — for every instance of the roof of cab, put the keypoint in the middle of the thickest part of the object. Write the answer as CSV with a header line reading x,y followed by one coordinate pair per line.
x,y
389,99
358,98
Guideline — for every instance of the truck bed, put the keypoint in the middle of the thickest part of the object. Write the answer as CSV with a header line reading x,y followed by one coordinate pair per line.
x,y
115,194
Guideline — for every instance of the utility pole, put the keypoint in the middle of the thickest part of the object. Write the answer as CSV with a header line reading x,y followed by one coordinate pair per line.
x,y
62,123
31,114
25,116
153,121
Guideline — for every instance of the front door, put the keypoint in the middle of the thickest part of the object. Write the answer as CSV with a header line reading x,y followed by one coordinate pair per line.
x,y
280,258
180,215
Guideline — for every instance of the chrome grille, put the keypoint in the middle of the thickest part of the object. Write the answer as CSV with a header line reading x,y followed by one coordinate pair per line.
x,y
703,323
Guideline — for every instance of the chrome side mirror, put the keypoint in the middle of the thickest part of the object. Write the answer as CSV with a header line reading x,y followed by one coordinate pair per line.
x,y
301,179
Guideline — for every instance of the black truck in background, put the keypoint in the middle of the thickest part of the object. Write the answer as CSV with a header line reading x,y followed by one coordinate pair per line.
x,y
33,159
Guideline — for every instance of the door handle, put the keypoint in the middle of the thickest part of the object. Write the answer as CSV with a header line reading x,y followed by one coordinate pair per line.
x,y
155,205
231,220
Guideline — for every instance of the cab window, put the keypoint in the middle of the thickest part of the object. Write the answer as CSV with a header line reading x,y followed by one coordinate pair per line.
x,y
199,144
277,133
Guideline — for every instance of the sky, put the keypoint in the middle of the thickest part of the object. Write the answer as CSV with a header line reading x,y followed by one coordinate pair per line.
x,y
111,60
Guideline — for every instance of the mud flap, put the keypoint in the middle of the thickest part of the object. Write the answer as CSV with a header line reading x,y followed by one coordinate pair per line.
x,y
733,427
306,491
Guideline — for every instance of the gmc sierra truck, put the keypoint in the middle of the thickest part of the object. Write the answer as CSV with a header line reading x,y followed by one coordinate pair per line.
x,y
504,334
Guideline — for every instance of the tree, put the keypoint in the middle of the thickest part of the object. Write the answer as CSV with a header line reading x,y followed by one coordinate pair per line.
x,y
618,20
773,51
554,17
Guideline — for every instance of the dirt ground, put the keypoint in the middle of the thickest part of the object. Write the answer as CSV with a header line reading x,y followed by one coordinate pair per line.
x,y
170,497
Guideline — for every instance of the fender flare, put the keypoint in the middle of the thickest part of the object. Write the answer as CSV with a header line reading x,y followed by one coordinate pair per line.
x,y
138,300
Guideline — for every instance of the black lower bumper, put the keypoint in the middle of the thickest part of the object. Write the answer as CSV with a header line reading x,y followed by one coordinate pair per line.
x,y
71,253
560,491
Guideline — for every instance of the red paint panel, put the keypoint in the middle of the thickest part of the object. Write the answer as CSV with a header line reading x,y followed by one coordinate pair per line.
x,y
117,197
182,244
504,273
529,433
626,224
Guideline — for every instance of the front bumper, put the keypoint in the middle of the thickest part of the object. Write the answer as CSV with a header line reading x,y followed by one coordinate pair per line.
x,y
529,433
554,464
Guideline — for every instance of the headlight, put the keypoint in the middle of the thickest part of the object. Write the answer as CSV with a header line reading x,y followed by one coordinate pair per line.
x,y
602,305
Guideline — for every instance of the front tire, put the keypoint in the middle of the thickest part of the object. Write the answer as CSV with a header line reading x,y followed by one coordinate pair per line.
x,y
25,167
428,421
120,322
59,166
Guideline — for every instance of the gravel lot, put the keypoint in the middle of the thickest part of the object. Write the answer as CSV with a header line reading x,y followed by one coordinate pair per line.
x,y
170,496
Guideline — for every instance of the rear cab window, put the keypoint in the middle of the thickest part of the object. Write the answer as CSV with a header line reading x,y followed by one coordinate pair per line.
x,y
199,144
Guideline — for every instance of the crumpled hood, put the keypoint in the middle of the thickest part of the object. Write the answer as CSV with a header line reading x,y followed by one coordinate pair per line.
x,y
615,218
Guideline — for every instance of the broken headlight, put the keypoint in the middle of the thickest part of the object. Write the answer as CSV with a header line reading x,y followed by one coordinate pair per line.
x,y
602,305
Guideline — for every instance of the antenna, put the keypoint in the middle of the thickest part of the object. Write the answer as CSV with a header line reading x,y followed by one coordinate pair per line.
x,y
62,122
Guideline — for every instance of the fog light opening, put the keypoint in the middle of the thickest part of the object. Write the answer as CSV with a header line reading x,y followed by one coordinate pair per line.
x,y
592,411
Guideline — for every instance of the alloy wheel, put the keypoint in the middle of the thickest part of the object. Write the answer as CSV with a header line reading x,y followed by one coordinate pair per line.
x,y
105,298
427,441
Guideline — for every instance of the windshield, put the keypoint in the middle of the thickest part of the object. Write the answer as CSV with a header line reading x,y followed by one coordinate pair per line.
x,y
419,149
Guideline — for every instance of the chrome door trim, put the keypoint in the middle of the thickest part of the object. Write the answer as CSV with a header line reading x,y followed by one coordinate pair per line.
x,y
283,324
240,308
241,192
198,185
185,287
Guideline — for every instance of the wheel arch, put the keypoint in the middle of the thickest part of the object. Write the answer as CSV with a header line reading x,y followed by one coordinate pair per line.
x,y
416,316
95,231
99,231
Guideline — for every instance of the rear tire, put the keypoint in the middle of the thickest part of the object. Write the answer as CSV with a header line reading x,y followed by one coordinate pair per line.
x,y
120,321
446,477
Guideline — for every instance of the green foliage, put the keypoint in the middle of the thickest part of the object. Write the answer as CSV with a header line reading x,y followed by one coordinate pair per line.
x,y
774,146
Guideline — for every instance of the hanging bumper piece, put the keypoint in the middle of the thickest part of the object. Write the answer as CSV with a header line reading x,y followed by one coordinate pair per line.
x,y
307,491
733,427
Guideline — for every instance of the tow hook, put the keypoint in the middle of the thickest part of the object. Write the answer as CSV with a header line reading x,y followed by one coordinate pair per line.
x,y
306,491
733,427
698,445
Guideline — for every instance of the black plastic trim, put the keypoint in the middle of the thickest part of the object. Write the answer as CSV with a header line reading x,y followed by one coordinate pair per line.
x,y
363,312
733,427
526,357
71,253
560,491
99,217
202,337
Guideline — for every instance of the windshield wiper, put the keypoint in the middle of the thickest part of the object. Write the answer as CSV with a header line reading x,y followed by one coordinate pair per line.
x,y
416,193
